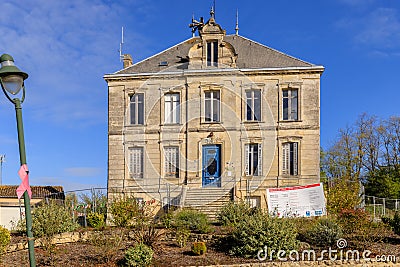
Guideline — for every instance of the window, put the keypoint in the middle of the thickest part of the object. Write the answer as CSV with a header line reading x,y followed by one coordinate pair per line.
x,y
136,162
137,109
253,107
212,106
253,159
171,161
212,53
290,104
172,108
290,158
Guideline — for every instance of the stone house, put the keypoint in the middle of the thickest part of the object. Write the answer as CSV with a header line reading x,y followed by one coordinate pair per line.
x,y
12,209
214,118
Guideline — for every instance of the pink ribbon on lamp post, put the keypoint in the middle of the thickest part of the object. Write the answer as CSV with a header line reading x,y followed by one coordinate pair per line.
x,y
24,186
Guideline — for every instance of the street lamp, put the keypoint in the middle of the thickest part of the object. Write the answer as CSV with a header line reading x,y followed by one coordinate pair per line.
x,y
12,81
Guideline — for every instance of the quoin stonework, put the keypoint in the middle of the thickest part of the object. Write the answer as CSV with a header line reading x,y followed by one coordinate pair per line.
x,y
215,118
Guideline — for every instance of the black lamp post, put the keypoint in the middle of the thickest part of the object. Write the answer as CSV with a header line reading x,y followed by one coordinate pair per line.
x,y
12,81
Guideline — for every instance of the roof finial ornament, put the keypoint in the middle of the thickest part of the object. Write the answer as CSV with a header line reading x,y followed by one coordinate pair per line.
x,y
212,13
237,22
196,25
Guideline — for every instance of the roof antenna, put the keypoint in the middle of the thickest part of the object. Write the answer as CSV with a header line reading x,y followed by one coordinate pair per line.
x,y
193,29
237,22
121,56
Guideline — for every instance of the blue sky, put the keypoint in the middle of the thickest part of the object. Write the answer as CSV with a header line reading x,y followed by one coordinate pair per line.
x,y
67,47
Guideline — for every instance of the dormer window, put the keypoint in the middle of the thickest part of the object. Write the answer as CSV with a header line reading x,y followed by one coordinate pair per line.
x,y
212,53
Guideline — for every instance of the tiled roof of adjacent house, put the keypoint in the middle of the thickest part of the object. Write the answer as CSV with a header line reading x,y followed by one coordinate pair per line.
x,y
251,55
9,191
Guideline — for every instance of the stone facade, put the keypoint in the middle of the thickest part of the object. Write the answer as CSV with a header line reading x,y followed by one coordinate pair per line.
x,y
218,113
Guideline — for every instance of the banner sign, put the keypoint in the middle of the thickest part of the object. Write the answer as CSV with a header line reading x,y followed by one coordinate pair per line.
x,y
297,201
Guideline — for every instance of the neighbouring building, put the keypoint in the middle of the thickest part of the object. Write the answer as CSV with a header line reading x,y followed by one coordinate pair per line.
x,y
12,209
214,118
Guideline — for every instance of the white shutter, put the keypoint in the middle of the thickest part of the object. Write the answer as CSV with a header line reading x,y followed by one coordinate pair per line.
x,y
259,166
295,158
136,162
285,158
247,159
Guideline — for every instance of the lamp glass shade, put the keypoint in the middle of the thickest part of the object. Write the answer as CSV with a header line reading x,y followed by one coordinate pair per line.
x,y
12,83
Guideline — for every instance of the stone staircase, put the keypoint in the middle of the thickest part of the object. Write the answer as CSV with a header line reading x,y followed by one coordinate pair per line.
x,y
208,200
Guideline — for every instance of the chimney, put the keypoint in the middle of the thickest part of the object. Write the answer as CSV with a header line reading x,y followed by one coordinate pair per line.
x,y
127,59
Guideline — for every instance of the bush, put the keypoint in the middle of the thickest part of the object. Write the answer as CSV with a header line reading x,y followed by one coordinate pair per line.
x,y
192,220
255,232
182,236
199,248
124,210
147,234
96,220
233,212
343,195
360,230
139,255
51,219
324,232
5,239
353,220
107,243
395,223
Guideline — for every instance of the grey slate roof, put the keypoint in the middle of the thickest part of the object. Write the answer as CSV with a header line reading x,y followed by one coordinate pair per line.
x,y
251,55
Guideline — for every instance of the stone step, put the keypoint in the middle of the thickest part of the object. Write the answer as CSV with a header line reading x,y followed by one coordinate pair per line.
x,y
207,200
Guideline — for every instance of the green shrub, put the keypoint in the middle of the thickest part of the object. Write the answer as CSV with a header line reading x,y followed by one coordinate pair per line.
x,y
123,210
233,212
395,223
5,239
96,220
324,232
51,219
192,220
199,248
182,236
255,232
138,255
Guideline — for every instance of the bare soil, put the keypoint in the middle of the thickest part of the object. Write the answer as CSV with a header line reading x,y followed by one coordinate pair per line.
x,y
165,254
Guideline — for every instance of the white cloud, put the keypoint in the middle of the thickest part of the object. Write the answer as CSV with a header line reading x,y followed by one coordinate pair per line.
x,y
377,30
66,47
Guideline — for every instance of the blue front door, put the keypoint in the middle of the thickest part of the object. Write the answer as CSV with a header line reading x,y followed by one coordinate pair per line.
x,y
211,170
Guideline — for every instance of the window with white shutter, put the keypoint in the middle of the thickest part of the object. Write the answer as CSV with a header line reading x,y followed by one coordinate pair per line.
x,y
171,161
290,158
253,160
136,162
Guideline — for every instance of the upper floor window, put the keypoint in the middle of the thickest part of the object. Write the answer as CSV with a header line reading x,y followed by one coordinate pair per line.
x,y
172,108
136,162
253,159
212,53
253,107
212,106
290,104
137,109
171,161
290,159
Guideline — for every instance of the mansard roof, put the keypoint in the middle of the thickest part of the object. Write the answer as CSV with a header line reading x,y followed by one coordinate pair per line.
x,y
250,55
